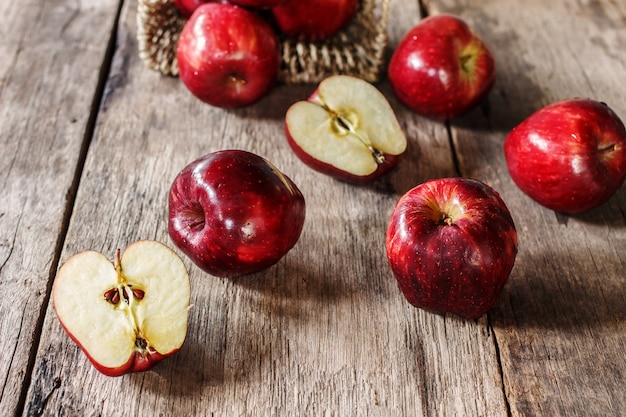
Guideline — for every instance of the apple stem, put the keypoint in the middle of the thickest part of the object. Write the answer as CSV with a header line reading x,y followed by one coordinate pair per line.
x,y
117,262
607,149
465,59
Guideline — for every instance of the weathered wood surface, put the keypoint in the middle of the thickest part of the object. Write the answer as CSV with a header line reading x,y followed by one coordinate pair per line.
x,y
560,323
52,55
325,332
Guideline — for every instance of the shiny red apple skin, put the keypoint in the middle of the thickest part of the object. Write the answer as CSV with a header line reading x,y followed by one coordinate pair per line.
x,y
233,213
228,56
187,7
257,4
136,363
390,162
451,244
569,156
441,68
313,21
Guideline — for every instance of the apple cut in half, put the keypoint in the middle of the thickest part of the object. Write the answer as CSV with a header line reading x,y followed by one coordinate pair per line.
x,y
346,129
126,315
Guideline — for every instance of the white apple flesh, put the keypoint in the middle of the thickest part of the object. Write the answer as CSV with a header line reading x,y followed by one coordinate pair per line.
x,y
128,314
346,129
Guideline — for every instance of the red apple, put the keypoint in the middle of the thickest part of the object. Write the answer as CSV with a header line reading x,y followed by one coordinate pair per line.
x,y
569,156
257,4
126,315
233,213
312,21
187,7
346,129
227,56
451,244
441,68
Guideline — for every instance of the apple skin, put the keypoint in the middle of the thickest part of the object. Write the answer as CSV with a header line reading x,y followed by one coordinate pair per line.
x,y
187,7
136,363
257,4
441,68
313,21
233,213
389,164
451,244
228,56
569,156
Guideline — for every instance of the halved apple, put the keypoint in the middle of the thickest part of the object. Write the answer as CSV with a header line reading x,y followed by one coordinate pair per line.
x,y
346,129
128,314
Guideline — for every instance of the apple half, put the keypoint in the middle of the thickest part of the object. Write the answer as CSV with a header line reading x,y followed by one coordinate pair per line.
x,y
126,315
346,129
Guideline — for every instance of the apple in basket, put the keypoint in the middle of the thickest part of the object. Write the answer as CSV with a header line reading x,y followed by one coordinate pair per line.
x,y
313,21
257,4
228,56
187,7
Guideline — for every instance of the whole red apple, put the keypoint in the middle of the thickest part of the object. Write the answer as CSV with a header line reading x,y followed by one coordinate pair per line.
x,y
441,68
451,244
313,21
233,213
187,7
346,129
227,56
569,156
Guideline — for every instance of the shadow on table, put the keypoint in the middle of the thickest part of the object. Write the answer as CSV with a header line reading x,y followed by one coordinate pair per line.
x,y
561,293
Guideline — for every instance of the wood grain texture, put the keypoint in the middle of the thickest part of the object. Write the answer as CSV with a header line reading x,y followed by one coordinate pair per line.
x,y
49,72
325,332
560,323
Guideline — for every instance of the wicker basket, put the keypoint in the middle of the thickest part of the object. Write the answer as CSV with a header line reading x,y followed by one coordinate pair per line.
x,y
357,50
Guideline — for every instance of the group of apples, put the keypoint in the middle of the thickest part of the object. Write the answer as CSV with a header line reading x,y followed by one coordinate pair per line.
x,y
451,243
228,51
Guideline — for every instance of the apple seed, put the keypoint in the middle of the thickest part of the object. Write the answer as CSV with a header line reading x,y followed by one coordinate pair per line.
x,y
141,343
112,296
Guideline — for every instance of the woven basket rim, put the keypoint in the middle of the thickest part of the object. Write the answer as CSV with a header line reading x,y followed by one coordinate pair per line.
x,y
357,50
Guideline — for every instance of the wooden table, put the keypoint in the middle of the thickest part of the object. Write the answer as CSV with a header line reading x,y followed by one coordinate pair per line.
x,y
91,140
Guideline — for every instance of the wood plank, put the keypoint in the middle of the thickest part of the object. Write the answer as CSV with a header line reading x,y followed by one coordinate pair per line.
x,y
51,58
324,332
560,323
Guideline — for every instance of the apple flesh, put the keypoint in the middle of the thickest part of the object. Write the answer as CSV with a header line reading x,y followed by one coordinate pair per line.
x,y
234,213
569,156
313,21
451,244
126,315
228,56
441,68
346,129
